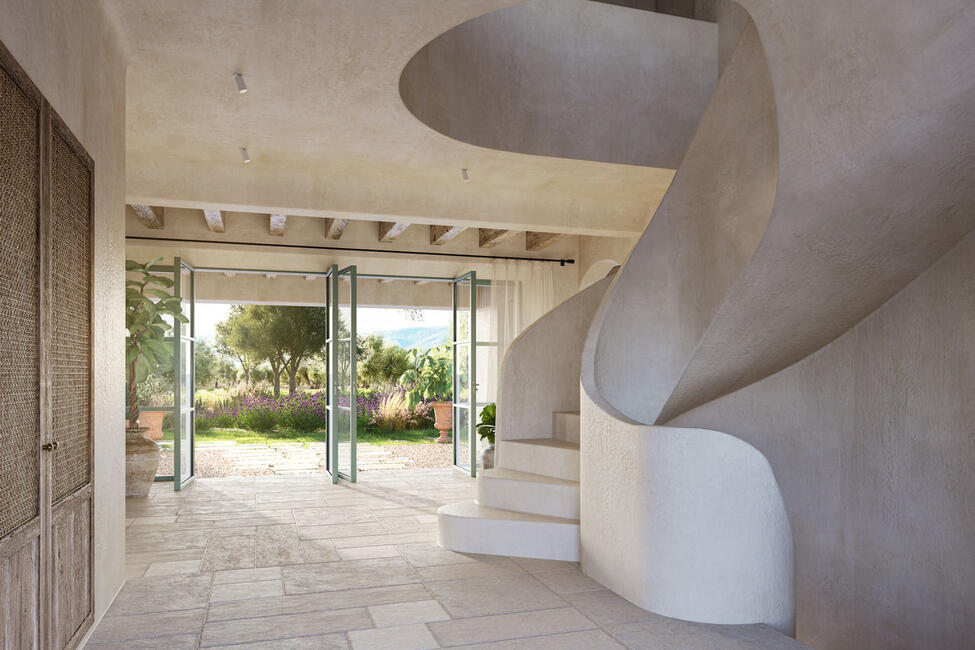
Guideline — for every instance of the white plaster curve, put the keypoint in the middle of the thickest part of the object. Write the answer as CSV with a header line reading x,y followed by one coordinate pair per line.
x,y
542,77
687,523
597,271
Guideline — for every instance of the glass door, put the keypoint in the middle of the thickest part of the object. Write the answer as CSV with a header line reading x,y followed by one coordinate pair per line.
x,y
465,370
341,350
184,367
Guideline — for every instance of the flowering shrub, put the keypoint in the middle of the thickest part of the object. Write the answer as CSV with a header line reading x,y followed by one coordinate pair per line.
x,y
257,413
303,411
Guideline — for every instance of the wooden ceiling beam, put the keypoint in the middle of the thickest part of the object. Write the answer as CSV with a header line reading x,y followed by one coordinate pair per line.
x,y
536,241
214,219
335,227
149,216
276,224
390,230
440,235
491,237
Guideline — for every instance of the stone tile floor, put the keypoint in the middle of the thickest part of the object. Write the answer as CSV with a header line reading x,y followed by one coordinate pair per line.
x,y
296,562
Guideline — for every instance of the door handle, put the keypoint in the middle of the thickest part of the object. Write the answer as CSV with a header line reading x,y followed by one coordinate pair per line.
x,y
51,446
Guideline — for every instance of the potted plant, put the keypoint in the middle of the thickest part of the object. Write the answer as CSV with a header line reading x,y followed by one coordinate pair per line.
x,y
427,378
485,429
146,302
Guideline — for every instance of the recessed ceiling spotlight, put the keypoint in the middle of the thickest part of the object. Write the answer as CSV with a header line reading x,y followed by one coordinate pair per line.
x,y
465,175
241,86
245,155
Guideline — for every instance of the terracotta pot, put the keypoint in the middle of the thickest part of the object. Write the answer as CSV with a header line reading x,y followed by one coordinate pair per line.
x,y
443,416
141,462
152,421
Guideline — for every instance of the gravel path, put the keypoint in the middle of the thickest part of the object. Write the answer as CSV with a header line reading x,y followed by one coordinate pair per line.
x,y
214,463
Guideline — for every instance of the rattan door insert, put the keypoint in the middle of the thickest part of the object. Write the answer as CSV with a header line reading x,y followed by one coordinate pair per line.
x,y
46,181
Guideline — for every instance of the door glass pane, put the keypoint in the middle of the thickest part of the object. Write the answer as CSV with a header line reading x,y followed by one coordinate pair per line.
x,y
463,352
462,437
462,302
186,373
343,365
186,445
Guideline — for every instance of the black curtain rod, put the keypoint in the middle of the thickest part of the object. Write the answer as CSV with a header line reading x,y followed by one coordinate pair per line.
x,y
562,262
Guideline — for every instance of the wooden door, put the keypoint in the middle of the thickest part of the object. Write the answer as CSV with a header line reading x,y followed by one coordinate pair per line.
x,y
45,372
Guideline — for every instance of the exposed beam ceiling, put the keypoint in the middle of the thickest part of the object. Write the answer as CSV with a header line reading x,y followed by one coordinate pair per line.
x,y
276,224
390,230
335,227
491,237
536,241
440,235
214,219
151,217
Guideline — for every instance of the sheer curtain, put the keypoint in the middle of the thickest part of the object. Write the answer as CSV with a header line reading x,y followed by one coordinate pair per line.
x,y
520,293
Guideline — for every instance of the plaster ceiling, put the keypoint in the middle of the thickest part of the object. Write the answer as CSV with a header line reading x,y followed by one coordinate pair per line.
x,y
325,126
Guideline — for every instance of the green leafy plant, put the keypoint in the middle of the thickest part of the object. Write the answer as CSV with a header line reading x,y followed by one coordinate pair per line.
x,y
485,427
146,302
427,377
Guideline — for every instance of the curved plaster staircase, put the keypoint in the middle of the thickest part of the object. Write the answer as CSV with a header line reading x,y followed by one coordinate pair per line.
x,y
824,176
528,505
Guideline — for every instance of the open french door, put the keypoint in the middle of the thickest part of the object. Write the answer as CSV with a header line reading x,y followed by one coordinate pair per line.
x,y
184,376
341,352
464,342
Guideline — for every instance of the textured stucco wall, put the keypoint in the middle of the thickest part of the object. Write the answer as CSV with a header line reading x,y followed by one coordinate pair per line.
x,y
540,371
872,440
568,78
699,241
73,55
697,529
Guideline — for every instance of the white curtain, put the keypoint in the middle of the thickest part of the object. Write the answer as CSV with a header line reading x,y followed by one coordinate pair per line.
x,y
520,293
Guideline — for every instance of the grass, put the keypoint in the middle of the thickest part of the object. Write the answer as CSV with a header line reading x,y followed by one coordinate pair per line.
x,y
243,436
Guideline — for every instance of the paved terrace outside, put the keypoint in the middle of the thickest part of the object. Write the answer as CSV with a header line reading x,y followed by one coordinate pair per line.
x,y
297,562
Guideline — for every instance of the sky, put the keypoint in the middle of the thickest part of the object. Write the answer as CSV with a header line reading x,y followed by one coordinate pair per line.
x,y
369,319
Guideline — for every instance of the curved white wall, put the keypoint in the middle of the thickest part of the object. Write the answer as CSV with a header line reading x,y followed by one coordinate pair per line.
x,y
687,523
540,371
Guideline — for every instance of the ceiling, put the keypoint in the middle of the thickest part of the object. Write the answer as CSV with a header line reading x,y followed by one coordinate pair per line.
x,y
325,126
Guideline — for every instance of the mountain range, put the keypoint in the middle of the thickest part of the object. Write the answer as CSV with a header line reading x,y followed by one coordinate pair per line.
x,y
421,337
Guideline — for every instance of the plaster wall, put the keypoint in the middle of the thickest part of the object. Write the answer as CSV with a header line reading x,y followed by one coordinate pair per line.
x,y
687,523
598,256
540,371
872,440
639,81
71,52
698,242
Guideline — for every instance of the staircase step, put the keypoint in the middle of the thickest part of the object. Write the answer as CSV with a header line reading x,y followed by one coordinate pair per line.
x,y
509,489
472,528
545,456
565,426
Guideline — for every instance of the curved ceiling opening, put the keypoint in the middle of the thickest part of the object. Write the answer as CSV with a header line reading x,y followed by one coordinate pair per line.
x,y
570,79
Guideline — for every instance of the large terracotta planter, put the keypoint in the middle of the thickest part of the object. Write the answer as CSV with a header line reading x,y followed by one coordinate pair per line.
x,y
152,421
141,463
443,416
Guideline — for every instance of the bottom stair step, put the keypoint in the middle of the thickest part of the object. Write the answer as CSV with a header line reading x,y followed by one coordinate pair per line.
x,y
472,528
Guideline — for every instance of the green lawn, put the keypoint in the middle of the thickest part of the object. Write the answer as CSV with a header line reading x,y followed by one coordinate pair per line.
x,y
288,435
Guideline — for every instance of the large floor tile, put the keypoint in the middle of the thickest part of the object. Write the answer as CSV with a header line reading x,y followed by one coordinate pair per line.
x,y
162,594
407,637
117,629
568,581
324,642
246,590
420,611
659,633
585,640
351,574
605,607
494,595
271,628
315,602
234,552
509,626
